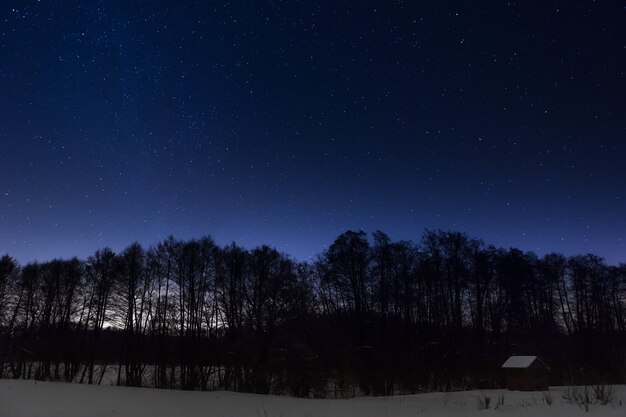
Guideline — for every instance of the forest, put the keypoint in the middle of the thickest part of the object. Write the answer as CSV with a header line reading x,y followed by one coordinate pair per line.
x,y
369,316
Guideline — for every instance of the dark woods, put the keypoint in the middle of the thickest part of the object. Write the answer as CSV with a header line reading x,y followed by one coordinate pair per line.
x,y
370,316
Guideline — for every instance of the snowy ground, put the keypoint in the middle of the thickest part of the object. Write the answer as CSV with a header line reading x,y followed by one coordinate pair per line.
x,y
33,399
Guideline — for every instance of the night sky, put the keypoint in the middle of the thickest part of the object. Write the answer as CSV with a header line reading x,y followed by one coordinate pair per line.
x,y
287,123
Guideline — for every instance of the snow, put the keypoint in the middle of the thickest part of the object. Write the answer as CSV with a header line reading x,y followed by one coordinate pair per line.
x,y
519,362
20,398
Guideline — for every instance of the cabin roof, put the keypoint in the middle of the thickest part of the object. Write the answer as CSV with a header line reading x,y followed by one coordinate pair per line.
x,y
524,362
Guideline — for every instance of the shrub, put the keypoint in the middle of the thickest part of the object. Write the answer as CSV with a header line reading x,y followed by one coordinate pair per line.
x,y
547,398
483,402
499,402
603,393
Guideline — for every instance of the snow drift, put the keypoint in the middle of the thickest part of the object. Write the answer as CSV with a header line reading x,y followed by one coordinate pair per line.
x,y
23,398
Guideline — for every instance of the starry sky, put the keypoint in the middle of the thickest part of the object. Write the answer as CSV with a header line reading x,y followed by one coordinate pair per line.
x,y
288,123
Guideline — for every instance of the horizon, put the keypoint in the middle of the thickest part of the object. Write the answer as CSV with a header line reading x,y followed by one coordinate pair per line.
x,y
299,256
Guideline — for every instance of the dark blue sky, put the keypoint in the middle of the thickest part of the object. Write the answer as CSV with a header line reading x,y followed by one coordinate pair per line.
x,y
289,122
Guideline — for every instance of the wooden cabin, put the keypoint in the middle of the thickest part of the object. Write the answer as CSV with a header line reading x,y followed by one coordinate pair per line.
x,y
526,373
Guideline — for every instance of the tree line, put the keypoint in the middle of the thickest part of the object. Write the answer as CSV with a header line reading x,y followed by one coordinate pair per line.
x,y
369,315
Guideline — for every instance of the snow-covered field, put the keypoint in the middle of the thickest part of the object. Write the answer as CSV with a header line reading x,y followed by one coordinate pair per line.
x,y
33,399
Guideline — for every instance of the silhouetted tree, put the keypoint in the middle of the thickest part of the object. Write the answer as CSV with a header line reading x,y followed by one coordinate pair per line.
x,y
381,315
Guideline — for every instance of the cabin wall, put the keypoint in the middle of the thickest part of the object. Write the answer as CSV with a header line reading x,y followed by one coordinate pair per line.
x,y
526,381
